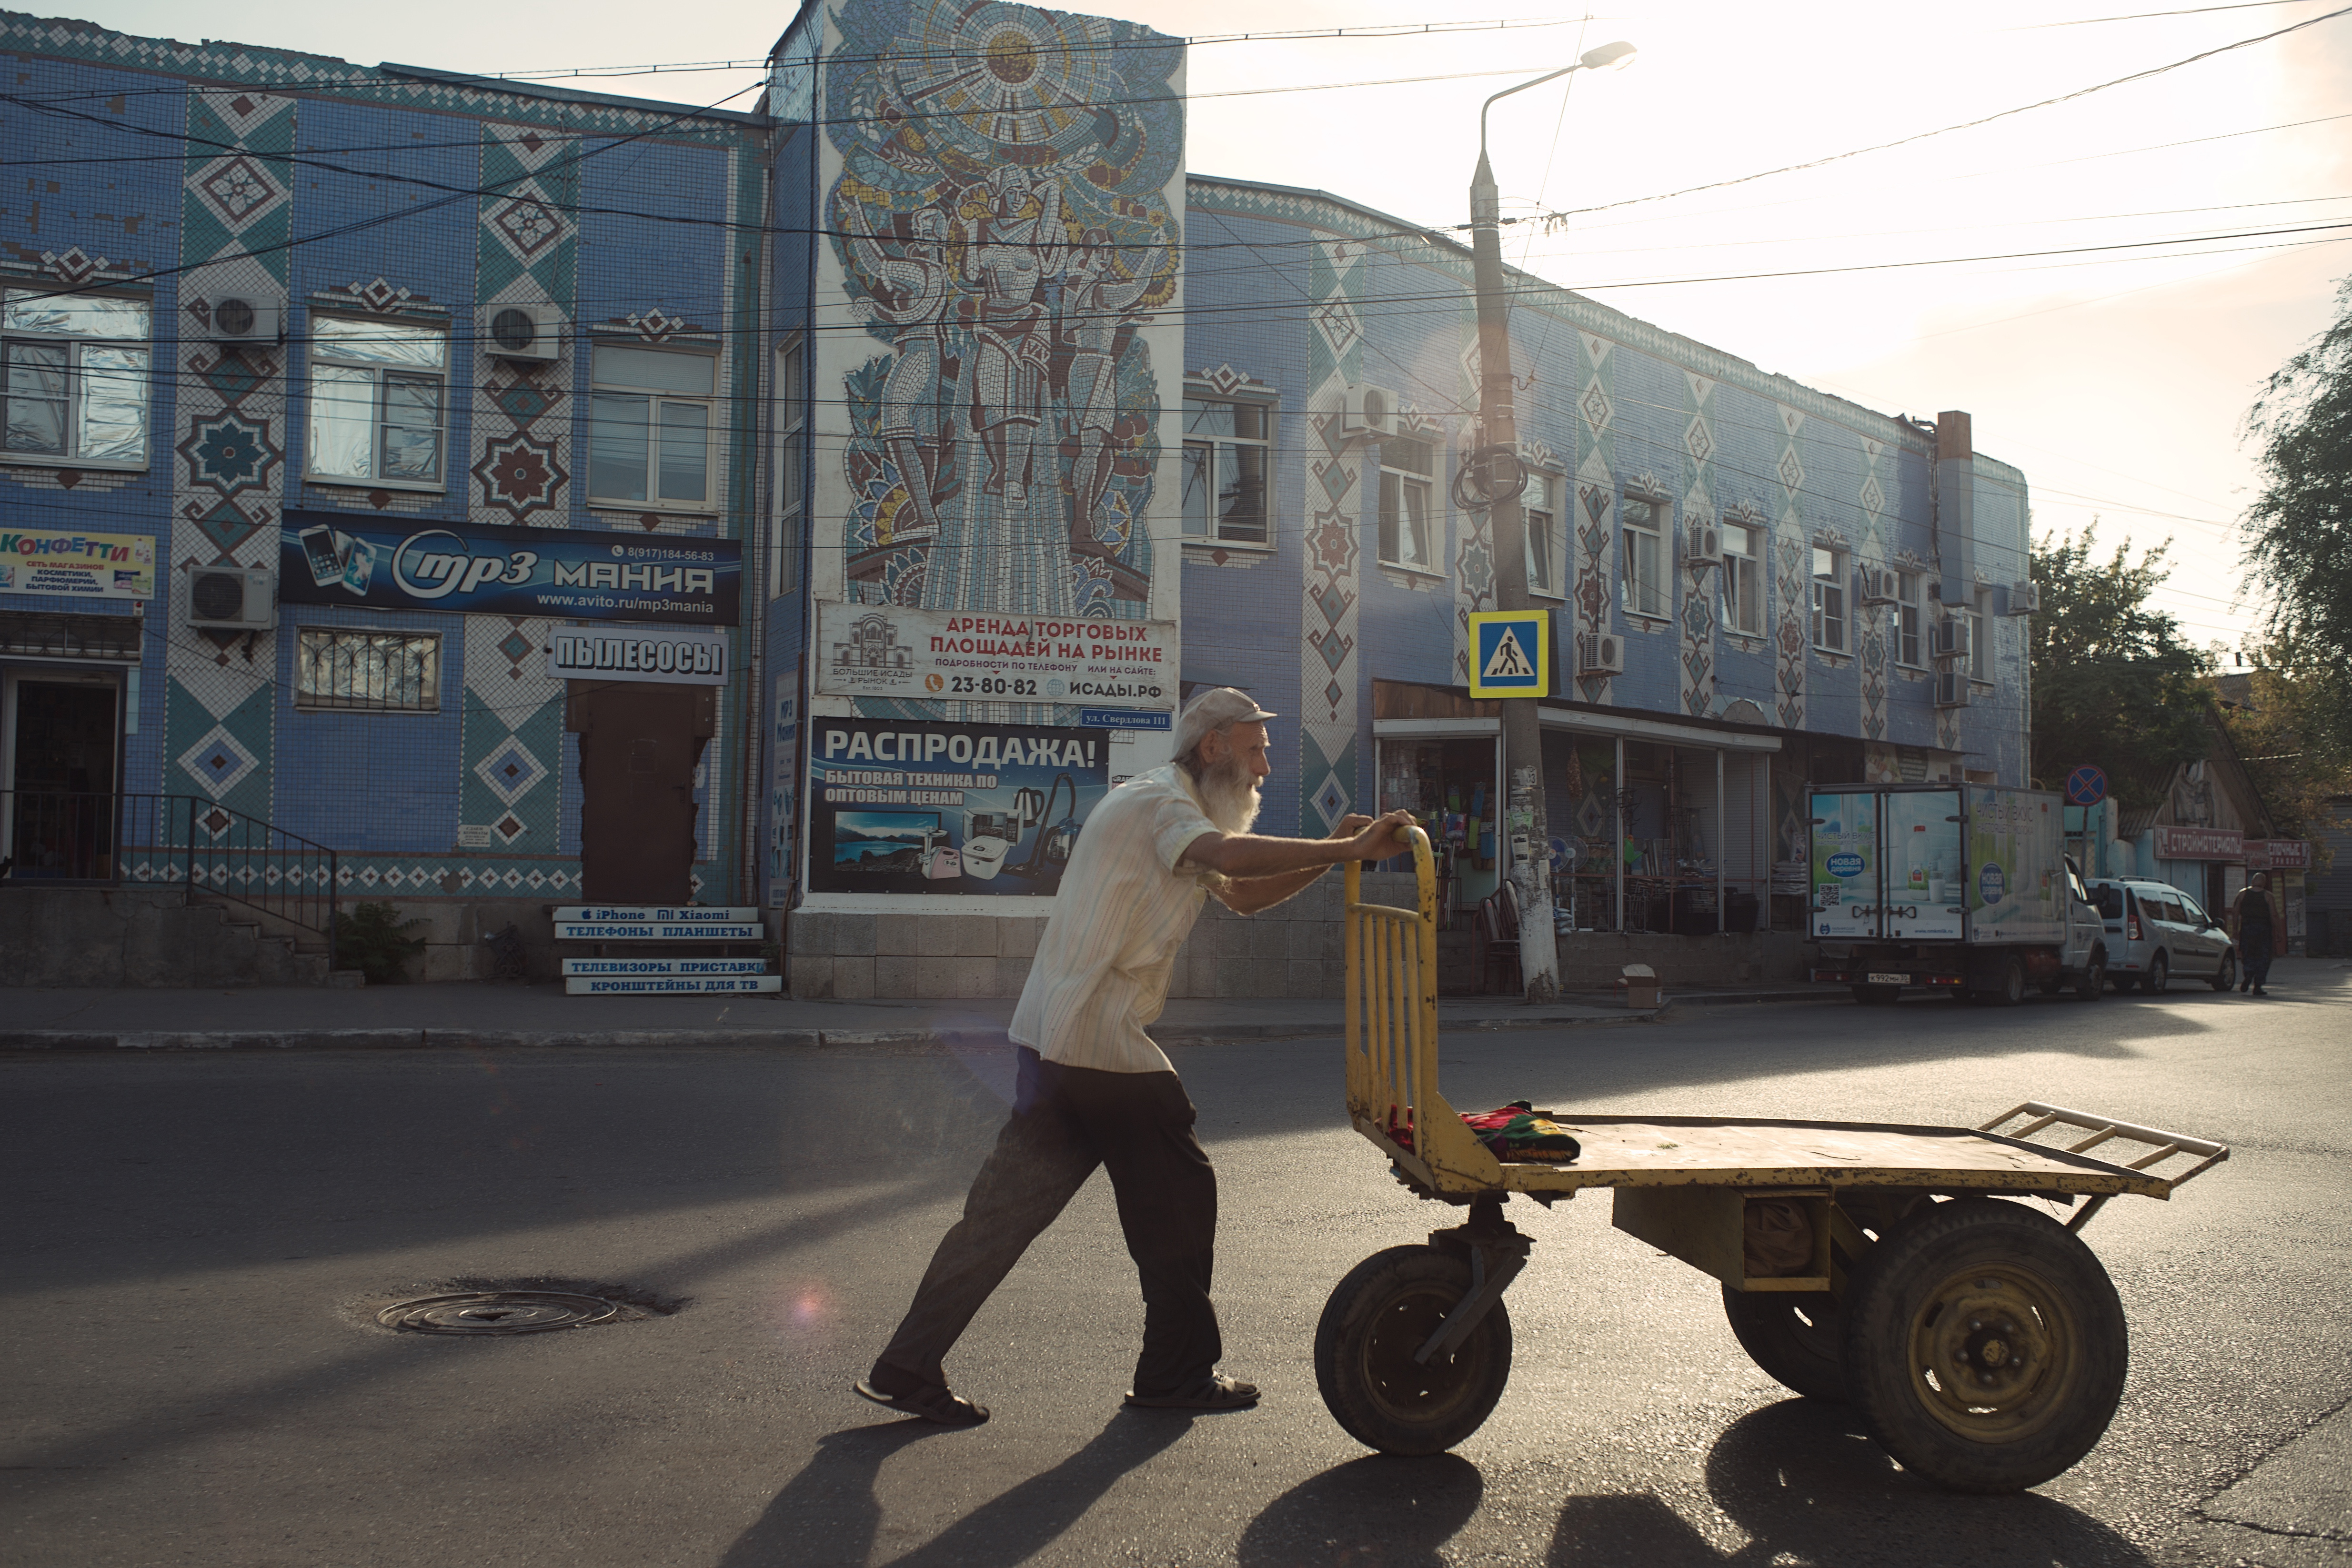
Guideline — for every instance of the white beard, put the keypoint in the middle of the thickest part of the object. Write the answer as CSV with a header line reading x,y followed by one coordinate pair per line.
x,y
1229,793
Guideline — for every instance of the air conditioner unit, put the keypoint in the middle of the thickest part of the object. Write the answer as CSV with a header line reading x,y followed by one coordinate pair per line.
x,y
1370,413
242,319
523,331
1947,638
2024,599
1702,545
232,598
1951,688
1877,585
1600,653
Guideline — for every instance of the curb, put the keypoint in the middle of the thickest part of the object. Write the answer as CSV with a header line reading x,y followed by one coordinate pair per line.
x,y
802,1039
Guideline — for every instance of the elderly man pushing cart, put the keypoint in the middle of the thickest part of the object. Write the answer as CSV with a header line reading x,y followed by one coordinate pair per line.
x,y
1093,1090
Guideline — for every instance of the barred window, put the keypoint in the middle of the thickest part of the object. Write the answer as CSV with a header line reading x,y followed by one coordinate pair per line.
x,y
394,672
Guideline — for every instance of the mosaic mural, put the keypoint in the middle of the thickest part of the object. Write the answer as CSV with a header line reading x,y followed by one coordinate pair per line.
x,y
1792,552
1329,666
229,474
1003,222
1595,519
1696,616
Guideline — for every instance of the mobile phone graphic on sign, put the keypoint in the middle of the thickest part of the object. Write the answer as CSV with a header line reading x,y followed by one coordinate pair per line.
x,y
326,561
359,565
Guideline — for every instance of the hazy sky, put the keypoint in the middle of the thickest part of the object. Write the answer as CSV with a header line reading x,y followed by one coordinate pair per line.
x,y
2116,380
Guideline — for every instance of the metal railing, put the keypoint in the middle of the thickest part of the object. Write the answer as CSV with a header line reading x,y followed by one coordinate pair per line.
x,y
1392,1035
71,836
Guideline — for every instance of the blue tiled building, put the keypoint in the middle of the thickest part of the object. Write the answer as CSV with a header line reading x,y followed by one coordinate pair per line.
x,y
921,364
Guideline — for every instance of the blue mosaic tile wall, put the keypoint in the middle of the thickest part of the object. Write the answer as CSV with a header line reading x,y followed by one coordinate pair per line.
x,y
321,186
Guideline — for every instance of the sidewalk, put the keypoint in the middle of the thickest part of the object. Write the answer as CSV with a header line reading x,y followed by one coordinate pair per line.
x,y
479,1016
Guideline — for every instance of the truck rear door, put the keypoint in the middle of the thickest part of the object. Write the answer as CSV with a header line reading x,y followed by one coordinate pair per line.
x,y
1924,864
1847,878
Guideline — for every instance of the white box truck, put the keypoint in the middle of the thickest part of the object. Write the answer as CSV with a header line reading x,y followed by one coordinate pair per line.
x,y
1958,888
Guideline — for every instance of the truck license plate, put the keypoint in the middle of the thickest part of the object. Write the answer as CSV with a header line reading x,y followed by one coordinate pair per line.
x,y
1890,980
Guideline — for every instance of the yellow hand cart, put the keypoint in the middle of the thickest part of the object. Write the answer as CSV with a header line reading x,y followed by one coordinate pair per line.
x,y
1980,1342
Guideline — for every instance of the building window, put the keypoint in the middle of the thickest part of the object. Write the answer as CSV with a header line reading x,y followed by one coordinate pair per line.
x,y
1910,608
1972,625
380,672
651,431
1829,600
76,381
1743,591
378,402
1227,449
1406,466
792,463
1544,543
1641,565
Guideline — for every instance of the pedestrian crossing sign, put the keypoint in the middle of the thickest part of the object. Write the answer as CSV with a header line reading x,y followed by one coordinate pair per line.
x,y
1510,653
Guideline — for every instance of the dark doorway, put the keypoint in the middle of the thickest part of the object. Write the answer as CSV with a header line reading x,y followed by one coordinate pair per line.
x,y
639,744
61,781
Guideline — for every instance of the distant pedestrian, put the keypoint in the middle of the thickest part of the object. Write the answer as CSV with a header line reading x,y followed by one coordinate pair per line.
x,y
1092,1089
2253,922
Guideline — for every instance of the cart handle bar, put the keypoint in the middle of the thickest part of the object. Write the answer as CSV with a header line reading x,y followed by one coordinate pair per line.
x,y
2101,1129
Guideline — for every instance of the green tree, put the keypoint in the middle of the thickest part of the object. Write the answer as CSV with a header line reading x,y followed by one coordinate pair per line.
x,y
2298,532
2113,681
2285,717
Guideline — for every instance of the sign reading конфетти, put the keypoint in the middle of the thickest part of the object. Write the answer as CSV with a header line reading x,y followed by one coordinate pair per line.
x,y
891,650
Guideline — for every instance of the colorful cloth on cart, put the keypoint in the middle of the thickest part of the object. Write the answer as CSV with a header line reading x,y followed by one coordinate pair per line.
x,y
1517,1133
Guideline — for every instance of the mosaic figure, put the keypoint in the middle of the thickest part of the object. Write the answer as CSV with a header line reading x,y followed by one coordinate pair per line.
x,y
1003,218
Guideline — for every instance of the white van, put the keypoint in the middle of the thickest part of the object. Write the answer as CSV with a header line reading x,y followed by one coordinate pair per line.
x,y
2156,932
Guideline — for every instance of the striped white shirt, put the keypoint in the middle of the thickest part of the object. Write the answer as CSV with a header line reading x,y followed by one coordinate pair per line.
x,y
1124,910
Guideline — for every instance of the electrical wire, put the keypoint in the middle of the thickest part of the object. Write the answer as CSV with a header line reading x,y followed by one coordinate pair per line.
x,y
1948,130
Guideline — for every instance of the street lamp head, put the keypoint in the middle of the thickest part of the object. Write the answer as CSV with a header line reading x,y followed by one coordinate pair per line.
x,y
1618,55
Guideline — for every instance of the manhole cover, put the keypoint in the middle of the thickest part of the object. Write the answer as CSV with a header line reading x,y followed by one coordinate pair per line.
x,y
497,1312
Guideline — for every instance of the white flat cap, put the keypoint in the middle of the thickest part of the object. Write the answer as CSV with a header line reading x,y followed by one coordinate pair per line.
x,y
1213,710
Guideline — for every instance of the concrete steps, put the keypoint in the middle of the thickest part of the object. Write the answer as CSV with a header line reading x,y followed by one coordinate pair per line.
x,y
134,936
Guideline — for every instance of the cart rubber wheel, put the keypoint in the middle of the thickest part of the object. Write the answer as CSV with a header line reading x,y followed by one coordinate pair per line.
x,y
2226,977
2009,988
1878,995
1985,1346
1385,1310
2092,983
2159,976
1798,1338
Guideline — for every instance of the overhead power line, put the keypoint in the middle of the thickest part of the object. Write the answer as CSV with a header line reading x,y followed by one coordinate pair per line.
x,y
1561,214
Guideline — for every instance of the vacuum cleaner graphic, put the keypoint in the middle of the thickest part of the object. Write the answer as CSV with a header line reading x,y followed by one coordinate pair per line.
x,y
1050,854
988,837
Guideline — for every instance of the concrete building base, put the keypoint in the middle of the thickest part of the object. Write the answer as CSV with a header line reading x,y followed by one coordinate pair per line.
x,y
1293,950
143,936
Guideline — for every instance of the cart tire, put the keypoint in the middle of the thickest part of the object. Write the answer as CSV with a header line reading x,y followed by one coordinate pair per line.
x,y
2159,976
1878,995
2009,988
2008,1299
2092,983
1797,1338
2226,977
1385,1310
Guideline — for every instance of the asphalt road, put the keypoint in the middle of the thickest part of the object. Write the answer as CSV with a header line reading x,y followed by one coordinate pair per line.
x,y
194,1245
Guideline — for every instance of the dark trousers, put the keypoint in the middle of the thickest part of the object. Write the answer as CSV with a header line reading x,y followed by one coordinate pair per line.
x,y
2254,953
1066,1122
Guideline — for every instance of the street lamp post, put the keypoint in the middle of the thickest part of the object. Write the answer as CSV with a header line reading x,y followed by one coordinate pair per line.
x,y
1504,479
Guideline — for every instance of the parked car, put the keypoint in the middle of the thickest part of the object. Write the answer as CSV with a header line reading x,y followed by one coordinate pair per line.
x,y
2157,933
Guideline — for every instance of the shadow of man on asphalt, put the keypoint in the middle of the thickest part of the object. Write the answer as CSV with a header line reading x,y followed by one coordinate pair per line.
x,y
827,1516
1382,1510
1805,1482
